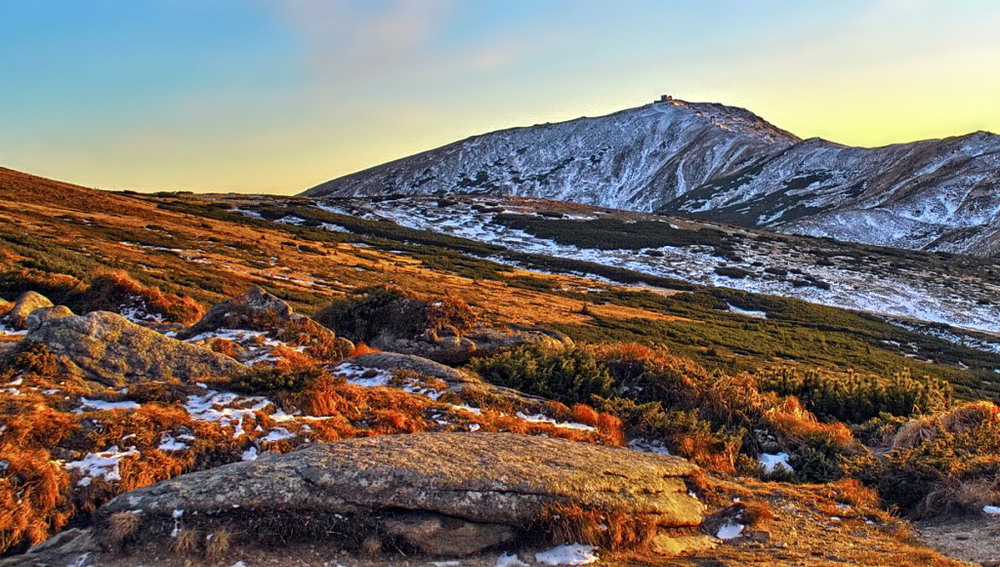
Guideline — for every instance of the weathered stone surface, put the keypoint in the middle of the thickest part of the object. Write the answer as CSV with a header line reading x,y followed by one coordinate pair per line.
x,y
258,310
61,549
443,493
39,316
29,301
499,478
5,306
255,309
454,349
108,348
424,366
435,534
671,545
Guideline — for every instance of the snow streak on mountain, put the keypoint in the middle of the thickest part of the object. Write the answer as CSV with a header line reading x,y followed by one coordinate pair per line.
x,y
726,164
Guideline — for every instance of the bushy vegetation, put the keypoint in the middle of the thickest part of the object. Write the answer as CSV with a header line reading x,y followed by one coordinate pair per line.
x,y
118,291
720,421
857,398
572,376
268,380
612,233
373,310
814,335
945,463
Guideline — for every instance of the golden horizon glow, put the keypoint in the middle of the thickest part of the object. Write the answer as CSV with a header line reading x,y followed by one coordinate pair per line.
x,y
275,96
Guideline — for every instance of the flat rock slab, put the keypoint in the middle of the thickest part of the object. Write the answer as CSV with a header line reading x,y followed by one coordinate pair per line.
x,y
494,478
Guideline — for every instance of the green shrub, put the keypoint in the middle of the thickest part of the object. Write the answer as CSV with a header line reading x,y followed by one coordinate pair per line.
x,y
933,457
264,380
570,376
856,398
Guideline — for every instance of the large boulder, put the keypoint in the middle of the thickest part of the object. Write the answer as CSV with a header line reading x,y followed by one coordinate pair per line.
x,y
17,316
5,306
257,311
110,349
39,316
454,348
445,330
444,493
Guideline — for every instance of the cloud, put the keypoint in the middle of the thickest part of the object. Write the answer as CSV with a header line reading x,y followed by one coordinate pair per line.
x,y
359,42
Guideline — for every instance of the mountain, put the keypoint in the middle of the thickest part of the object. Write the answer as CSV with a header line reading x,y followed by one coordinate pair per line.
x,y
727,164
188,399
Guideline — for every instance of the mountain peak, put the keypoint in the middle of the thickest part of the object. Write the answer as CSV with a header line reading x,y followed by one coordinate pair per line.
x,y
725,163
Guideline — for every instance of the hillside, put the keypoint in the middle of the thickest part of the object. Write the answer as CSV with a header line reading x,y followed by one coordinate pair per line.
x,y
212,349
725,164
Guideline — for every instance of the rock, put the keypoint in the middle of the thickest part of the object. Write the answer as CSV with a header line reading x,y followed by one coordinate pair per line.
x,y
255,309
39,316
484,341
5,306
435,534
258,310
424,366
502,479
60,549
672,545
110,349
29,301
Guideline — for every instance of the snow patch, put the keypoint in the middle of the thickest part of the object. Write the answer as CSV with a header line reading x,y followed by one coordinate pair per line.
x,y
773,462
747,312
730,530
103,464
101,405
572,554
507,560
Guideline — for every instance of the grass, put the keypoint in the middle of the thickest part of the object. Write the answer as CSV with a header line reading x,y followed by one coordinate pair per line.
x,y
709,384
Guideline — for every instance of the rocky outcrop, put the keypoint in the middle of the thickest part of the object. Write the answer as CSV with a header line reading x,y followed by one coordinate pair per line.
x,y
64,548
425,367
5,306
17,316
39,316
109,349
258,310
459,349
440,492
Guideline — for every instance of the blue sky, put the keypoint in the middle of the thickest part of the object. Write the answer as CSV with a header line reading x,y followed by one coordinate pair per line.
x,y
278,95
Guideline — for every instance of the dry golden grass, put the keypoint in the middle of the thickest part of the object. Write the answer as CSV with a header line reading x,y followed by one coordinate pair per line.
x,y
372,546
226,347
122,526
217,544
33,495
187,542
568,523
361,348
113,290
953,497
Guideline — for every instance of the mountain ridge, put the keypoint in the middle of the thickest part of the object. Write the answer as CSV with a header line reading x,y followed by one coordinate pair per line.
x,y
723,163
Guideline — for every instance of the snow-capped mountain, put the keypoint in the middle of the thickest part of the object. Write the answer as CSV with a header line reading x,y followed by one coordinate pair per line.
x,y
727,164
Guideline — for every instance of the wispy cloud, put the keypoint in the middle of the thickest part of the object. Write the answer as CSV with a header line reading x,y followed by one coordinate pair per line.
x,y
390,39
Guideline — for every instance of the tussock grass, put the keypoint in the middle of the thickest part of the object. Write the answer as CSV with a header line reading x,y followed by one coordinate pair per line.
x,y
570,523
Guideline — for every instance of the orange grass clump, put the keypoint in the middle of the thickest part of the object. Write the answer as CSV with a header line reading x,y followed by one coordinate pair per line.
x,y
117,289
362,348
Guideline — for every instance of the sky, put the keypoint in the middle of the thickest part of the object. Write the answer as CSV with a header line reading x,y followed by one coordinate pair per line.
x,y
276,96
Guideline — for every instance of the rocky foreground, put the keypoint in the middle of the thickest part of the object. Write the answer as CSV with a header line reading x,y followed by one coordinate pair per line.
x,y
459,488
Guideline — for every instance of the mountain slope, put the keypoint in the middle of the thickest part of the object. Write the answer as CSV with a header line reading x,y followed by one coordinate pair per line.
x,y
723,163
